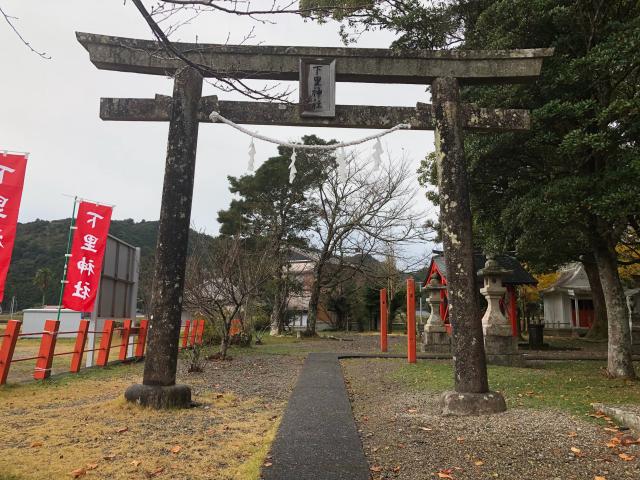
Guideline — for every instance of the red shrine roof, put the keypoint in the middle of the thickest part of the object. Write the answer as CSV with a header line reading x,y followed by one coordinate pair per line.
x,y
519,275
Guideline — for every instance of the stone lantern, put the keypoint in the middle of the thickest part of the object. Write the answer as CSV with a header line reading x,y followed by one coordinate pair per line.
x,y
501,347
435,338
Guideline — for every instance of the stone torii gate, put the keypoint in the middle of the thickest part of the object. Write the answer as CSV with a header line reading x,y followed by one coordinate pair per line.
x,y
445,71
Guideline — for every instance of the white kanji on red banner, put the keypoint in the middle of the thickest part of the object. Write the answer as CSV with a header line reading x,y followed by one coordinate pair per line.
x,y
12,170
87,253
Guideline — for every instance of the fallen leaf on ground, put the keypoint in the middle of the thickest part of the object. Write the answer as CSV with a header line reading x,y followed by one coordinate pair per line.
x,y
626,457
478,463
123,429
92,466
176,449
80,472
36,444
267,464
135,463
426,429
460,439
109,457
376,468
572,434
445,473
412,410
628,440
396,469
599,478
576,451
157,472
614,442
611,429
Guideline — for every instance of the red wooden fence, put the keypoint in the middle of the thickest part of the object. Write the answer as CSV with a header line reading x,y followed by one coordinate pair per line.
x,y
46,352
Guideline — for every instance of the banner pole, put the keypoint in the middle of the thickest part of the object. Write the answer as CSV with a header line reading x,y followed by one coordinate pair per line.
x,y
66,257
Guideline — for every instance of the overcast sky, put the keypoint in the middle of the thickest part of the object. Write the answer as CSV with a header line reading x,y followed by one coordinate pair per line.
x,y
50,109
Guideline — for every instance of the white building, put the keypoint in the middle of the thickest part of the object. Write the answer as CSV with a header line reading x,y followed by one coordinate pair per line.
x,y
568,304
33,321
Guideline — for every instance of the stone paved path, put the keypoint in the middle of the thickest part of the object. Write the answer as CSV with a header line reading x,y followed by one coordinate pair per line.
x,y
317,438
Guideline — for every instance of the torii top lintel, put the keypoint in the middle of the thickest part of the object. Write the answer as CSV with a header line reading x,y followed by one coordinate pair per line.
x,y
367,65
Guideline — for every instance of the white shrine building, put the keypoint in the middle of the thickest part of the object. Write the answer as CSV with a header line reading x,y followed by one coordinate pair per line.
x,y
568,304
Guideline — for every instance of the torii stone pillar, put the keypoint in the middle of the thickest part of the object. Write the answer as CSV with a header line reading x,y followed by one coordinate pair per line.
x,y
435,338
471,395
159,389
501,347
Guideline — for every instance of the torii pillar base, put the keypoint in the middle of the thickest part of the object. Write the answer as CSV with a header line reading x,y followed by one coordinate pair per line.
x,y
464,404
159,397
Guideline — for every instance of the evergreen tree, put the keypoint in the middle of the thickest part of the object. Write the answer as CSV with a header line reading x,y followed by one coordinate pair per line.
x,y
567,189
278,211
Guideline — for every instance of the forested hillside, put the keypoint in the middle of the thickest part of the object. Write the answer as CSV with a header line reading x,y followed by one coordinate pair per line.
x,y
42,244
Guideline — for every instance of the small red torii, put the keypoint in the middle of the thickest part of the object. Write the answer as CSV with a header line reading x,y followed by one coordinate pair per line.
x,y
519,276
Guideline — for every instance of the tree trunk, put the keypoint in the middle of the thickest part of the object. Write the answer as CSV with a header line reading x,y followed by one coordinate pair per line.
x,y
173,231
314,301
599,327
455,219
619,363
277,312
224,346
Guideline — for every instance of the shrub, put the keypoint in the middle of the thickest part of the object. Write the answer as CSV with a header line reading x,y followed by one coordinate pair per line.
x,y
195,359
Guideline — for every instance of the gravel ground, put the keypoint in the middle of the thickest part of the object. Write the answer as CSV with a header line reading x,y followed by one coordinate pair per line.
x,y
270,377
351,342
341,342
404,437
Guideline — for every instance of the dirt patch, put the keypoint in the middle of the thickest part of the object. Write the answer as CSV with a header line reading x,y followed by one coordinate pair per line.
x,y
82,424
404,436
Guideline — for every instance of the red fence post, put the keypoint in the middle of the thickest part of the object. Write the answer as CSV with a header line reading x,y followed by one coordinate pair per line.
x,y
8,347
105,343
200,333
78,350
142,338
47,347
411,320
185,339
383,320
126,331
194,327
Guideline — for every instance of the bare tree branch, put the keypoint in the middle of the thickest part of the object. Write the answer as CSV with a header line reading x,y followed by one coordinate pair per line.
x,y
228,80
222,274
9,19
359,217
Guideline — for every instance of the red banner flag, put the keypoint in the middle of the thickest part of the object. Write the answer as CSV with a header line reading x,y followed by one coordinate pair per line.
x,y
87,253
12,169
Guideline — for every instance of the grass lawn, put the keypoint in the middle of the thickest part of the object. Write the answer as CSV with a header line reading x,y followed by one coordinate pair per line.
x,y
82,423
571,386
